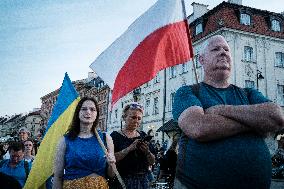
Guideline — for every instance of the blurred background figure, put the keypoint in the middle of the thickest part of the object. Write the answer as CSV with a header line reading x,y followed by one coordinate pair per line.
x,y
29,150
278,159
24,134
16,167
4,151
8,182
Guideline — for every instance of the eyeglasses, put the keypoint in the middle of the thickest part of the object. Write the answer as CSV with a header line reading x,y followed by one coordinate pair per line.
x,y
135,106
28,145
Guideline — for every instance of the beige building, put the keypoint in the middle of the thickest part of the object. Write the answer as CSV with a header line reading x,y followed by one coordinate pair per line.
x,y
92,86
11,125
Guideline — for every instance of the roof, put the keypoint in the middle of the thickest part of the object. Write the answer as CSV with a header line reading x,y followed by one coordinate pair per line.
x,y
169,126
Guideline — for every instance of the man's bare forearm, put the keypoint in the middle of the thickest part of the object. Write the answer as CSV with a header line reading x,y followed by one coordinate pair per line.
x,y
206,127
263,118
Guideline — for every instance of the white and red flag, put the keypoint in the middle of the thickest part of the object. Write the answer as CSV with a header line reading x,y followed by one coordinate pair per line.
x,y
156,40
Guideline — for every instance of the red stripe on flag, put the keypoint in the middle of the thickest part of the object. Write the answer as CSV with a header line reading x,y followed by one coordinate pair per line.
x,y
165,47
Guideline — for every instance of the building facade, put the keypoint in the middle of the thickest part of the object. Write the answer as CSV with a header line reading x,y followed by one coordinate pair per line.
x,y
93,86
32,121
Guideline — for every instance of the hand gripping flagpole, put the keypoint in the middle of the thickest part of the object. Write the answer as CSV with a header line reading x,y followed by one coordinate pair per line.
x,y
113,166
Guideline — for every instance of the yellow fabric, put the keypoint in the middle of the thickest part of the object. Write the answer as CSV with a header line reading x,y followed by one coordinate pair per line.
x,y
86,183
42,167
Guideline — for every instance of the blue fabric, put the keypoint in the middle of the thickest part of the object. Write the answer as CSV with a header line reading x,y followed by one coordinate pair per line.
x,y
61,106
83,157
17,172
241,161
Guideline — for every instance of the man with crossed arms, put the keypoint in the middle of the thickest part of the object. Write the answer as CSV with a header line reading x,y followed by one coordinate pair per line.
x,y
223,126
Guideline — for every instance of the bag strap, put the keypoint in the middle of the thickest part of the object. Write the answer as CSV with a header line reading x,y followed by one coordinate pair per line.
x,y
2,162
195,89
27,170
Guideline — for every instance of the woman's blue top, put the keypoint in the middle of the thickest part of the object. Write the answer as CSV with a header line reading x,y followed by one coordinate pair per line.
x,y
83,157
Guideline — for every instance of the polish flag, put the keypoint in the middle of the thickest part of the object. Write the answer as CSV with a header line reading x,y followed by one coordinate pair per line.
x,y
156,40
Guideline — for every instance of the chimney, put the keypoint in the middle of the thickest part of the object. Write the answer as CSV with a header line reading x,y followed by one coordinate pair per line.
x,y
91,75
238,2
198,11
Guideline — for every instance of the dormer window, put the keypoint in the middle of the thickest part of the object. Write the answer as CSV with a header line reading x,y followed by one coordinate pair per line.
x,y
245,19
275,25
198,29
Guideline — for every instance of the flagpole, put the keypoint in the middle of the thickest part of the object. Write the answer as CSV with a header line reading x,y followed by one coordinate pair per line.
x,y
164,102
113,166
189,41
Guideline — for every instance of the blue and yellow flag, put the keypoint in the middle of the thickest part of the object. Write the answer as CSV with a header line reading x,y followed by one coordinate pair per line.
x,y
58,124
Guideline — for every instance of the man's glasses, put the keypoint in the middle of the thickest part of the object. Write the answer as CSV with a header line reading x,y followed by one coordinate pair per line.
x,y
135,106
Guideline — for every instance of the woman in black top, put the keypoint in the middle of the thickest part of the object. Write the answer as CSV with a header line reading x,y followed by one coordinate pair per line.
x,y
132,153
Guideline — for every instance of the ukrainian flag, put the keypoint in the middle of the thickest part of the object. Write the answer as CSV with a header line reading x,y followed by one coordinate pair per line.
x,y
58,124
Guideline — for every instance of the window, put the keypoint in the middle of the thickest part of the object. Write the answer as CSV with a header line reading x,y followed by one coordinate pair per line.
x,y
280,95
147,84
197,63
173,71
275,25
248,54
198,29
279,59
245,19
104,109
184,68
157,78
155,107
147,111
171,100
249,84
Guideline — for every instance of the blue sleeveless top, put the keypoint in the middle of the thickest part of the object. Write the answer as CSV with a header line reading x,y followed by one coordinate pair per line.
x,y
83,157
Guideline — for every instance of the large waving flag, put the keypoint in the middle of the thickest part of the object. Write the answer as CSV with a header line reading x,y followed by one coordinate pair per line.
x,y
158,39
58,123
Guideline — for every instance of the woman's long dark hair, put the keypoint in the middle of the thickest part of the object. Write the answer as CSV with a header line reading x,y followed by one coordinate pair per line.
x,y
74,128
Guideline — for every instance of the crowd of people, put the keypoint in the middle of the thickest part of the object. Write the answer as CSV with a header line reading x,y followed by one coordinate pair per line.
x,y
221,146
16,160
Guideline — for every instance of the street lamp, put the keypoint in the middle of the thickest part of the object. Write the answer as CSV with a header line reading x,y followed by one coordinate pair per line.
x,y
259,76
136,94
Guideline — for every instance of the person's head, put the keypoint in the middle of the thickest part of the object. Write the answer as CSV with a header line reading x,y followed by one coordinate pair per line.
x,y
29,145
86,112
132,115
174,145
23,134
150,132
16,150
216,59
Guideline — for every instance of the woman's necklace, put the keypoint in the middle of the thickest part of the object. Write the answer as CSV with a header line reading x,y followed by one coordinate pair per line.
x,y
130,134
85,134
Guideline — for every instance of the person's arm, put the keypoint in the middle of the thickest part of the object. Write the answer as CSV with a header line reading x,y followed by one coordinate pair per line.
x,y
121,154
59,164
206,127
110,156
263,118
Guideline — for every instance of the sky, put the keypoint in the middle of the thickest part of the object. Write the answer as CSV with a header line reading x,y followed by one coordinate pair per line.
x,y
41,40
